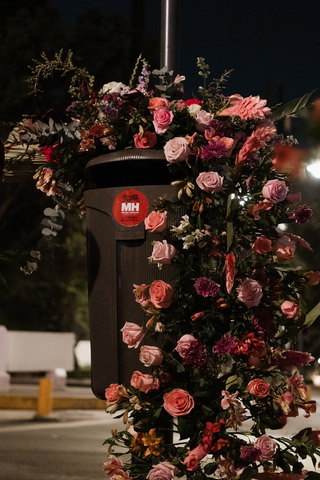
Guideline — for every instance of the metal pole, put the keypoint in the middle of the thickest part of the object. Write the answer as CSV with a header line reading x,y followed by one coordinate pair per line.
x,y
169,53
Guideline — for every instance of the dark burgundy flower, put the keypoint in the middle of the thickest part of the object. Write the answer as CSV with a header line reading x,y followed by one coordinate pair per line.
x,y
206,287
227,344
262,321
195,356
302,215
213,150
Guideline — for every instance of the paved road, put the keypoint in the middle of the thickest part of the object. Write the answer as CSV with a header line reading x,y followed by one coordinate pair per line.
x,y
67,449
70,448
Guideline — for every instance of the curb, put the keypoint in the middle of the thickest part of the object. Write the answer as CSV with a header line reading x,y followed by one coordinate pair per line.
x,y
10,402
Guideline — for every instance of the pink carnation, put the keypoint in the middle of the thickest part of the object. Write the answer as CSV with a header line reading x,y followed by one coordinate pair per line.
x,y
246,108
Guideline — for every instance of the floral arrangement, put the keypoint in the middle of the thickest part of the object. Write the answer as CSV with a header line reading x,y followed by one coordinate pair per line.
x,y
227,379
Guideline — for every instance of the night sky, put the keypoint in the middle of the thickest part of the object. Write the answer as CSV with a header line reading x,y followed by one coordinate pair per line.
x,y
273,46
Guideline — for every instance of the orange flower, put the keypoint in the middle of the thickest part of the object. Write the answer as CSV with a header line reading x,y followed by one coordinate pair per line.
x,y
152,442
313,277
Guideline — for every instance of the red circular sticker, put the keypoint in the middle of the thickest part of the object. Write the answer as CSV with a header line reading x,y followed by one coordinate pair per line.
x,y
130,207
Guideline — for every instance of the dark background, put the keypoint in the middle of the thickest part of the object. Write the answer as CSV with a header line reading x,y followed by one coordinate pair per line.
x,y
273,47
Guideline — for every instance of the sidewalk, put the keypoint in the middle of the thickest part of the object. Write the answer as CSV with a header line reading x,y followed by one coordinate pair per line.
x,y
25,397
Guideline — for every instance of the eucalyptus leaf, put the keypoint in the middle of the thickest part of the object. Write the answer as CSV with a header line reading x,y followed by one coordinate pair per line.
x,y
312,316
51,212
291,108
48,232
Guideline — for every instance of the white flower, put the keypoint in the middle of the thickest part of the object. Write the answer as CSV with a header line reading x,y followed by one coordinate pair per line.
x,y
194,109
190,240
183,225
114,87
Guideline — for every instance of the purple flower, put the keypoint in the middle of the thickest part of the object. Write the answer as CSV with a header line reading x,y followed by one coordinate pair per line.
x,y
250,454
227,344
217,127
110,111
302,215
206,287
213,150
144,78
195,357
262,321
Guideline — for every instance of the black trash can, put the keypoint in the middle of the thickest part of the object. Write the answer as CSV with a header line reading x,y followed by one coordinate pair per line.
x,y
121,190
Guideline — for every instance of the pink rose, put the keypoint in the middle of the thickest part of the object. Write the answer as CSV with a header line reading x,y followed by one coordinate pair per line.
x,y
203,120
156,222
250,107
163,252
143,382
184,344
145,140
294,197
150,355
177,150
178,402
156,102
262,245
120,475
289,309
194,457
112,465
275,190
267,446
132,334
161,119
250,293
160,294
114,393
258,388
210,182
284,254
162,471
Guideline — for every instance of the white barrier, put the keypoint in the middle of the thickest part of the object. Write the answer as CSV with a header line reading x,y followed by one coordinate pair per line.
x,y
35,352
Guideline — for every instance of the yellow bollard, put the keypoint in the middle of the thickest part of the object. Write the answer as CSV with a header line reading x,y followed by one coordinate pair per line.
x,y
45,401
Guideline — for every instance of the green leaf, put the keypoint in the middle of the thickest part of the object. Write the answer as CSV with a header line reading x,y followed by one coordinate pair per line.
x,y
313,476
312,315
229,234
291,108
184,428
210,468
231,381
249,473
